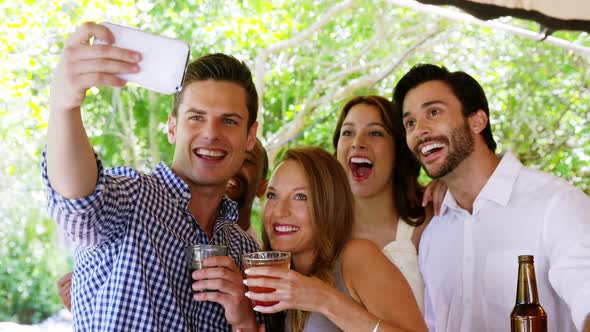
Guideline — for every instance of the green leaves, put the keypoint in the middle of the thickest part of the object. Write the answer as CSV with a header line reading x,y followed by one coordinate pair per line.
x,y
317,55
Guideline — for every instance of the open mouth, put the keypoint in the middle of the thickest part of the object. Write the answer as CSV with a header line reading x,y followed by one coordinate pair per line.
x,y
233,183
431,148
236,189
282,229
361,168
233,187
209,154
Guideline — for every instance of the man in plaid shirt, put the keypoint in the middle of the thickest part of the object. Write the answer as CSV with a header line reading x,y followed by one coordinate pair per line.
x,y
130,228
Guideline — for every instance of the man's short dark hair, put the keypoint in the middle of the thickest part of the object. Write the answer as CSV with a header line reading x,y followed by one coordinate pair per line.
x,y
465,88
221,67
264,159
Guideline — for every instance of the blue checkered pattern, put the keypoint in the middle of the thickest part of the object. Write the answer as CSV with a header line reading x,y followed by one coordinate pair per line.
x,y
130,234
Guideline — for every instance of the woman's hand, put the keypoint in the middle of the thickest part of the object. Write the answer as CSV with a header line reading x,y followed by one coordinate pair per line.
x,y
434,192
292,289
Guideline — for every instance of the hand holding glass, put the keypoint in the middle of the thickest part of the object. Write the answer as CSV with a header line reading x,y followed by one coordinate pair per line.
x,y
196,254
266,258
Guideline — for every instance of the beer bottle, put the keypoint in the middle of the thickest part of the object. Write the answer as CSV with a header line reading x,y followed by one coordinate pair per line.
x,y
527,315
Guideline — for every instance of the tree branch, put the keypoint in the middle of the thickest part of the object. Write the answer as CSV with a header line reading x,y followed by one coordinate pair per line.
x,y
260,64
312,104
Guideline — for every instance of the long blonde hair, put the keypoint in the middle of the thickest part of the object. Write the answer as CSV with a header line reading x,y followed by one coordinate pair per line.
x,y
331,205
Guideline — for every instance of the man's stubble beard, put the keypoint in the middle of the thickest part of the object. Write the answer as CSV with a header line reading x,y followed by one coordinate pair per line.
x,y
461,146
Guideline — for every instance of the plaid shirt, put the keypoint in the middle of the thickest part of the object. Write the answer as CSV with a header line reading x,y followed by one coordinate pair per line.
x,y
130,273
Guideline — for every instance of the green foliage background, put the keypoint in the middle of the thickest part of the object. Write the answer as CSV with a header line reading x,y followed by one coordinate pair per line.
x,y
538,93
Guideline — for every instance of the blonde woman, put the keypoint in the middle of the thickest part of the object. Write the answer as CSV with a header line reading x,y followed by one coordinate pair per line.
x,y
335,283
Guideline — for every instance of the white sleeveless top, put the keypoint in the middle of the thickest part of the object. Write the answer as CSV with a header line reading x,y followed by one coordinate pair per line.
x,y
404,255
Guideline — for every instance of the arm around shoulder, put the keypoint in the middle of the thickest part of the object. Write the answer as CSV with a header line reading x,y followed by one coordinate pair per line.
x,y
381,288
417,235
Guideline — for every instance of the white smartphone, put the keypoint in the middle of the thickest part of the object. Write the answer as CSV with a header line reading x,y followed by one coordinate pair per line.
x,y
163,60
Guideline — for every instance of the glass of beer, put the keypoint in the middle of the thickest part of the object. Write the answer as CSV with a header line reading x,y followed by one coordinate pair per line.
x,y
266,258
196,254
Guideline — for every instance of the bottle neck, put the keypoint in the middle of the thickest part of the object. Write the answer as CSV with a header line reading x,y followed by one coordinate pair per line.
x,y
526,292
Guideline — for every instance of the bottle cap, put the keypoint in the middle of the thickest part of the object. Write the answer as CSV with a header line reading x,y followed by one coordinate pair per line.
x,y
525,258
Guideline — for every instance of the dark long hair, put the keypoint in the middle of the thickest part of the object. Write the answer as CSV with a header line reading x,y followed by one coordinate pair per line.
x,y
407,192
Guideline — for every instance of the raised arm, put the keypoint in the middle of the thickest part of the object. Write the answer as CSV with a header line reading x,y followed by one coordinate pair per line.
x,y
71,165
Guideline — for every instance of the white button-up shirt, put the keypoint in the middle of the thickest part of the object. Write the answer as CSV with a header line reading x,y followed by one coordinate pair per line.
x,y
470,261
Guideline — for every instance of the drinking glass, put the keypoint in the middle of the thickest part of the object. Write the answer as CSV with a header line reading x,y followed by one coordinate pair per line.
x,y
266,258
195,254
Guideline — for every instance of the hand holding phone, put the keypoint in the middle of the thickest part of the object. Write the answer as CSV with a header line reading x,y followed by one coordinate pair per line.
x,y
82,66
163,60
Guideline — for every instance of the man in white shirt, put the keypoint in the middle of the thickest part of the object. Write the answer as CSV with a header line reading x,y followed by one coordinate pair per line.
x,y
495,209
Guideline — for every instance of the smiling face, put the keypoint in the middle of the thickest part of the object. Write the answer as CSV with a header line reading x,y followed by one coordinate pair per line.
x,y
287,213
366,151
436,130
248,182
210,132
